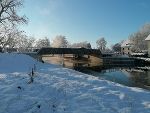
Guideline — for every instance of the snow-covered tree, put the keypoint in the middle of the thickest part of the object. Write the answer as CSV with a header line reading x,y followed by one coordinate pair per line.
x,y
138,38
45,42
60,42
9,19
24,43
108,50
84,44
8,36
101,44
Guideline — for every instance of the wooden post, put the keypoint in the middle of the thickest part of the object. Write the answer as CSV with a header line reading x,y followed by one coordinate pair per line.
x,y
40,58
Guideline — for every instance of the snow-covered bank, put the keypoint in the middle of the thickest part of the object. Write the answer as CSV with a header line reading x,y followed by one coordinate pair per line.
x,y
15,62
60,90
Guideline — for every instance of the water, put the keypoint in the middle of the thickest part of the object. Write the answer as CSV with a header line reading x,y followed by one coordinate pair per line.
x,y
127,73
132,77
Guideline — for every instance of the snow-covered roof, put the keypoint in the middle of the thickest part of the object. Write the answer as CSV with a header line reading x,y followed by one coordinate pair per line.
x,y
148,38
138,53
126,43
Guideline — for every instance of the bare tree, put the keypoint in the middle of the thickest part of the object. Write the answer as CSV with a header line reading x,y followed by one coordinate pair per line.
x,y
8,12
116,47
45,42
101,44
60,42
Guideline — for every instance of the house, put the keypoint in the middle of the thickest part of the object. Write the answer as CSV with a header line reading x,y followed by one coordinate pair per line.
x,y
126,47
148,43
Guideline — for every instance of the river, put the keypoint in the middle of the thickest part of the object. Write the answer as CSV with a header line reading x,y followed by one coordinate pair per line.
x,y
126,73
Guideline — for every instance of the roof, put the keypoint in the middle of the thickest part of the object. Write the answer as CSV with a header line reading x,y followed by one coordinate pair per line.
x,y
127,43
85,51
148,38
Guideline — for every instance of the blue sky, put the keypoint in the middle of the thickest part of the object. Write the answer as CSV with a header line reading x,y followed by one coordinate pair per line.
x,y
85,20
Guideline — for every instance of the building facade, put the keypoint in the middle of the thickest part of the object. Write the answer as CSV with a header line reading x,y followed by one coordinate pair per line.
x,y
148,44
126,47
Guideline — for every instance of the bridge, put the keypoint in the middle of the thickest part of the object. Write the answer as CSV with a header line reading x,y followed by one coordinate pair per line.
x,y
83,54
75,51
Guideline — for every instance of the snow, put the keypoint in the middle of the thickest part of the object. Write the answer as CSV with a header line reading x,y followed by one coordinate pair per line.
x,y
146,104
127,43
146,67
148,38
17,62
61,90
138,53
142,58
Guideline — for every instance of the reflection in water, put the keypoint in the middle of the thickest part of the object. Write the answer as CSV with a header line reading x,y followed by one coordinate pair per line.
x,y
141,78
126,74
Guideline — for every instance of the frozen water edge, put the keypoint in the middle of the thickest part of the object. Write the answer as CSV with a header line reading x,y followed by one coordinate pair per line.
x,y
60,90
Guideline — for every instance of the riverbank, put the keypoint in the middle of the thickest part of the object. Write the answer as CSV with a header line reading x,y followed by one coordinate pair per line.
x,y
59,90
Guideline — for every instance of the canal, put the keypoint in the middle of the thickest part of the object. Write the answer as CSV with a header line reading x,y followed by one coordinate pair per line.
x,y
126,72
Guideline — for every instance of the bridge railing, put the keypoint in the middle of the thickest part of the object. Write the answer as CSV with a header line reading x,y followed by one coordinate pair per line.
x,y
77,51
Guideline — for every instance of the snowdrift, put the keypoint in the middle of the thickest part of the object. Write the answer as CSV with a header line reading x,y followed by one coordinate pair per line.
x,y
60,90
16,62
